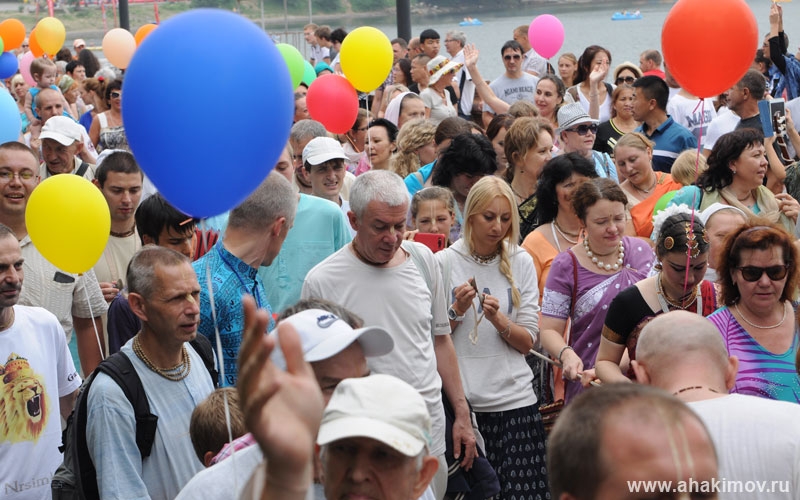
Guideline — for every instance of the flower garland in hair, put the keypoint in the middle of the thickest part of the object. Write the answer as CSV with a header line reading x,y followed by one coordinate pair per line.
x,y
658,220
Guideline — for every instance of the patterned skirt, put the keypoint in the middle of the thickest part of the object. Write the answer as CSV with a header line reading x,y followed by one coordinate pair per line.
x,y
515,446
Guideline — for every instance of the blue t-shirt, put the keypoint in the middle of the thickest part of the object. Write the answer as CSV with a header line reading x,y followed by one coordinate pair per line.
x,y
412,180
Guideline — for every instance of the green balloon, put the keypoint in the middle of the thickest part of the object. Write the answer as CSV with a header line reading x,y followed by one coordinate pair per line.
x,y
662,202
309,75
294,61
2,45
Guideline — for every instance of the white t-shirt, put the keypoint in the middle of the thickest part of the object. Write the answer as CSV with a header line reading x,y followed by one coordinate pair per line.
x,y
719,126
435,102
495,375
532,61
38,364
319,53
226,479
398,299
757,440
687,112
511,90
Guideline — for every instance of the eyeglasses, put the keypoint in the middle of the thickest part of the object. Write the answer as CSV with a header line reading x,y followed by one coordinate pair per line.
x,y
625,79
584,129
116,95
25,45
753,273
448,40
515,57
7,175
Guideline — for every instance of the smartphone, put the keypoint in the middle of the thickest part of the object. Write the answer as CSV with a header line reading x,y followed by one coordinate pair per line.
x,y
434,241
773,116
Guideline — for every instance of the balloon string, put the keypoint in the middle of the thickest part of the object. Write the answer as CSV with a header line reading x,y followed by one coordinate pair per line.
x,y
369,136
702,106
91,315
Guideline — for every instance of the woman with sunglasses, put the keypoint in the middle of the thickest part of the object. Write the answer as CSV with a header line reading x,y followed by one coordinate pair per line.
x,y
758,281
682,253
576,134
107,130
626,73
735,176
585,278
620,123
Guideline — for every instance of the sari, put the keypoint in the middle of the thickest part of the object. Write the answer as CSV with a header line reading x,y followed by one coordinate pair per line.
x,y
642,211
593,295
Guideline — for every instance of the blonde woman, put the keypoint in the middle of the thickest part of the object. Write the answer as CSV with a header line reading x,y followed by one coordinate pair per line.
x,y
415,147
491,285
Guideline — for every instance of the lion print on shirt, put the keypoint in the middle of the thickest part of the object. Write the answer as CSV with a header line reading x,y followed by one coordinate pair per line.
x,y
23,401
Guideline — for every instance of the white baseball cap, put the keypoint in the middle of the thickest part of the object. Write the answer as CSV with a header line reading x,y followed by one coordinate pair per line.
x,y
379,407
62,129
324,335
321,149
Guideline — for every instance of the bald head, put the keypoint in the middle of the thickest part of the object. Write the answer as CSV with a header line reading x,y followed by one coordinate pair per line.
x,y
49,103
681,344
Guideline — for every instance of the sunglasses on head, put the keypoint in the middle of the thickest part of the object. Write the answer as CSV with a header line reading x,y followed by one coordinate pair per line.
x,y
753,273
509,57
625,79
584,129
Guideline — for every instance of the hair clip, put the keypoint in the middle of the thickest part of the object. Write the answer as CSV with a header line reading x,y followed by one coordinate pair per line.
x,y
101,79
692,245
669,242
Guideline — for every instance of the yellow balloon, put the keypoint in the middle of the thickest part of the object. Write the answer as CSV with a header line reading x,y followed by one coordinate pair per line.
x,y
68,220
366,58
50,34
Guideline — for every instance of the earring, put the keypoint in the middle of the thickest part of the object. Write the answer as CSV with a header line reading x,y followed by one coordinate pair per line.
x,y
657,267
734,171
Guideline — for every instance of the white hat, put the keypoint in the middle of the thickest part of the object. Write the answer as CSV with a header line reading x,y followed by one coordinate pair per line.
x,y
324,335
78,43
62,129
440,66
716,207
379,407
572,114
321,149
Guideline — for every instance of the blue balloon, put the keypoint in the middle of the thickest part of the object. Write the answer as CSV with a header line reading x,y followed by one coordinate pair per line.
x,y
10,120
207,121
8,65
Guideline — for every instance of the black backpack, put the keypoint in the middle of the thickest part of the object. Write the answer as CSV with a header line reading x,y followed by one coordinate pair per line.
x,y
76,477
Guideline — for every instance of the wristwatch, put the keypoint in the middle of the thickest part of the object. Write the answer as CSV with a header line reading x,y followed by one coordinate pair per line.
x,y
453,315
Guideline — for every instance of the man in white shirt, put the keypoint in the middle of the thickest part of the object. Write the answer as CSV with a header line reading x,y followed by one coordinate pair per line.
x,y
532,62
514,84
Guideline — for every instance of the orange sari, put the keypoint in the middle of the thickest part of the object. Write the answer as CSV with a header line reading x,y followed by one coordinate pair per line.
x,y
642,212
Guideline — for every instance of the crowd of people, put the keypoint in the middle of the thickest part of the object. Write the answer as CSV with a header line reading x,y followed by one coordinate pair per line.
x,y
412,296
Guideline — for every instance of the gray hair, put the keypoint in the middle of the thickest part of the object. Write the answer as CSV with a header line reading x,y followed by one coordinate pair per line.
x,y
141,275
377,185
273,199
458,36
6,231
307,129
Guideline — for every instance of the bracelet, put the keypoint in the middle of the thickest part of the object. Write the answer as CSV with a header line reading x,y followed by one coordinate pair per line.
x,y
507,332
561,352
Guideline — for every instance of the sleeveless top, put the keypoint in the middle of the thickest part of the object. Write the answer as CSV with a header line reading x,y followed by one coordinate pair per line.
x,y
111,137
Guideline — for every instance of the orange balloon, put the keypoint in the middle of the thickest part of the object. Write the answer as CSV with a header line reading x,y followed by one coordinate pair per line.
x,y
726,29
142,32
36,49
12,31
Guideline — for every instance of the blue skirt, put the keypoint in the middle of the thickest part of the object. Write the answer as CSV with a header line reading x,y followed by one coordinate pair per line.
x,y
515,446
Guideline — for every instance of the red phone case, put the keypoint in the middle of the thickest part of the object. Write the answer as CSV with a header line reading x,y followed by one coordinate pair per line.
x,y
434,241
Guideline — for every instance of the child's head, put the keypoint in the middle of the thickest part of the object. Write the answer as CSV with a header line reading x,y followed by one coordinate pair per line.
x,y
688,166
43,72
433,210
208,428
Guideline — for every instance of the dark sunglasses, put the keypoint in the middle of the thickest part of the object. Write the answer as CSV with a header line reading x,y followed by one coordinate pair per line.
x,y
509,57
584,129
625,79
753,273
116,95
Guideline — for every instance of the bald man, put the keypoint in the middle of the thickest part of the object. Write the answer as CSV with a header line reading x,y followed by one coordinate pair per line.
x,y
758,439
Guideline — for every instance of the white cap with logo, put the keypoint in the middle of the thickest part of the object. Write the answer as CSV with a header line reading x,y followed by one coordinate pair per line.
x,y
65,131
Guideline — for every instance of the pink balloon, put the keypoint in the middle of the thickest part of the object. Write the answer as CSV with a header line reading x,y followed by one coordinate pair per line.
x,y
25,68
546,34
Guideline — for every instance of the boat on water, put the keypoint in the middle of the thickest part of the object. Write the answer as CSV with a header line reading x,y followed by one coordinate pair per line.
x,y
626,16
470,21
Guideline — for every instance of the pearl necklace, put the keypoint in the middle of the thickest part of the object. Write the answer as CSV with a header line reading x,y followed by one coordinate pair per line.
x,y
600,263
176,373
776,325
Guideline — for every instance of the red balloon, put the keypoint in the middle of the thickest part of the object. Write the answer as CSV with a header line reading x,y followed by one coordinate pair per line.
x,y
333,102
709,44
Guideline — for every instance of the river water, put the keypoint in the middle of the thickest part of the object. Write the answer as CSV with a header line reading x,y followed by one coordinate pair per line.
x,y
584,25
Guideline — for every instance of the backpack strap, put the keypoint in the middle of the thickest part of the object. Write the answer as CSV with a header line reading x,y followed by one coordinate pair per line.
x,y
203,347
82,169
119,367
